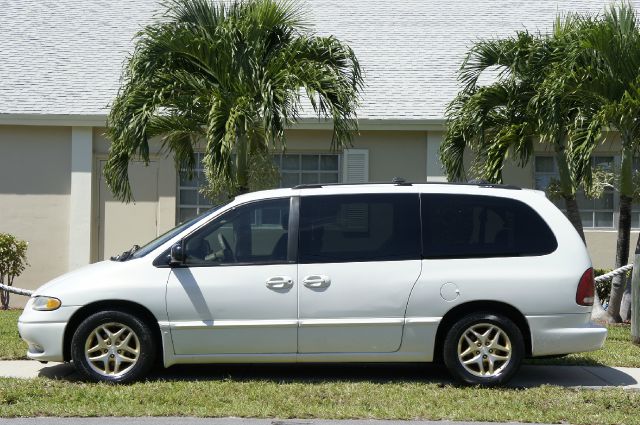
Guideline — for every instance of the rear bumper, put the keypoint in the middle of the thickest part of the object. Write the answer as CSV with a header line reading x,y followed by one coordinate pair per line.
x,y
563,334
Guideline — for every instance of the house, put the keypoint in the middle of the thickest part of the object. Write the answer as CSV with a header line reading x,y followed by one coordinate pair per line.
x,y
60,69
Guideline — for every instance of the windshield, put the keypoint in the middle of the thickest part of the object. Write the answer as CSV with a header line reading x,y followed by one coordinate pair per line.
x,y
141,252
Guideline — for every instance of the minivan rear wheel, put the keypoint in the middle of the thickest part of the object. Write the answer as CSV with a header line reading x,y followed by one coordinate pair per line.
x,y
113,346
483,349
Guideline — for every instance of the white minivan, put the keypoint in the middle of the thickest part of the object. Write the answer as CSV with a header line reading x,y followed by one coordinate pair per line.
x,y
477,276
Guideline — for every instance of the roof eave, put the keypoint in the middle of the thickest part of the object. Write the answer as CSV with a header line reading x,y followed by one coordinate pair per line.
x,y
66,120
99,120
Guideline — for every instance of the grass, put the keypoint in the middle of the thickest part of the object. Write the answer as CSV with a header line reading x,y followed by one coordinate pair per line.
x,y
331,399
336,392
11,346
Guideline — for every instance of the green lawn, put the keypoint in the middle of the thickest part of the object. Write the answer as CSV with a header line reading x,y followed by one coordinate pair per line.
x,y
380,392
11,346
334,398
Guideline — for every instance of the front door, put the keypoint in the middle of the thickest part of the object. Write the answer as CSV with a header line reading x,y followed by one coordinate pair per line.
x,y
236,293
121,225
359,259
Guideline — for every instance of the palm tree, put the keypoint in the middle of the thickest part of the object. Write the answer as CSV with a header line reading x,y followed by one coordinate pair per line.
x,y
505,119
233,76
605,73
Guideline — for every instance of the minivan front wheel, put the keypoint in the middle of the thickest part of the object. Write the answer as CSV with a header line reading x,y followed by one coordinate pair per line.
x,y
483,349
113,346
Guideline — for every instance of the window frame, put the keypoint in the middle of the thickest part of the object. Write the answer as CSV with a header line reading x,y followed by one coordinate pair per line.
x,y
292,245
199,169
593,211
417,256
424,206
300,172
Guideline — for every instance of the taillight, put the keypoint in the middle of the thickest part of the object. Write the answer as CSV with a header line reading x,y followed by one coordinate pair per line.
x,y
586,289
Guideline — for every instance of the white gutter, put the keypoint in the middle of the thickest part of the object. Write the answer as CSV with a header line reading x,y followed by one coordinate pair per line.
x,y
99,120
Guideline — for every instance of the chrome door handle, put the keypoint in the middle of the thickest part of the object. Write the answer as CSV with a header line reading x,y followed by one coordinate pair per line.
x,y
279,282
316,281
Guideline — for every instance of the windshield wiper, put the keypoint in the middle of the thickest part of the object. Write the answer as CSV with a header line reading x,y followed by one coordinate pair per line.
x,y
126,255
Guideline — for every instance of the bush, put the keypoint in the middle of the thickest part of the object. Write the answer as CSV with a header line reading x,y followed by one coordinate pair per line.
x,y
13,260
604,288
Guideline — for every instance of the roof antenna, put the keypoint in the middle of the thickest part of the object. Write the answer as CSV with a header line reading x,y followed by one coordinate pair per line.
x,y
479,181
400,181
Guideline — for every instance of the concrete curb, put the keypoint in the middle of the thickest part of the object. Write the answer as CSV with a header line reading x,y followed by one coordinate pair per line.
x,y
595,377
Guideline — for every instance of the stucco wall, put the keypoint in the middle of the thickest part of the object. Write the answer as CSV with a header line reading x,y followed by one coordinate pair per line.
x,y
35,167
391,153
602,247
165,196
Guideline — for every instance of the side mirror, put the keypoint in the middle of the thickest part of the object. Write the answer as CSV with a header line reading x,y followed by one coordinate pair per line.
x,y
177,255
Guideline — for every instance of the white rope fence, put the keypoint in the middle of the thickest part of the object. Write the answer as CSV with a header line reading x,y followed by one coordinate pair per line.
x,y
15,290
614,273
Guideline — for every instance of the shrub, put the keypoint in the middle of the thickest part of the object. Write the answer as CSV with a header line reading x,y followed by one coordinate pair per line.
x,y
13,260
604,288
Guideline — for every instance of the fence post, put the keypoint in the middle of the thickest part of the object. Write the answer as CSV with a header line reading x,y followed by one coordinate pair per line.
x,y
635,296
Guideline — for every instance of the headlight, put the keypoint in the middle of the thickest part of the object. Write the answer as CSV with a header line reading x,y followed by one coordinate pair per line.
x,y
46,303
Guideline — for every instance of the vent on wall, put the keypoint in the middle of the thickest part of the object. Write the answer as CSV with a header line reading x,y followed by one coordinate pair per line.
x,y
356,166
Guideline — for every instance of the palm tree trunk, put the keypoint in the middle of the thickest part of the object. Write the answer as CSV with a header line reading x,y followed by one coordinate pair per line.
x,y
573,213
627,298
625,304
624,232
566,189
242,165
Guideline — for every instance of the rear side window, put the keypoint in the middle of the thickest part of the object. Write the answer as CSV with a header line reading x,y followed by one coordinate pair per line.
x,y
350,228
467,226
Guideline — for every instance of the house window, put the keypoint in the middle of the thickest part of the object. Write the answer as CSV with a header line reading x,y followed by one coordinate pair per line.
x,y
295,169
598,212
298,169
190,201
546,171
595,213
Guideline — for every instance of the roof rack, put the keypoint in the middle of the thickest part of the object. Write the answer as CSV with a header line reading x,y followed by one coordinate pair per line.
x,y
399,181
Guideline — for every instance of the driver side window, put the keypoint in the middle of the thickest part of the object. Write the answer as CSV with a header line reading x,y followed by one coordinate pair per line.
x,y
255,233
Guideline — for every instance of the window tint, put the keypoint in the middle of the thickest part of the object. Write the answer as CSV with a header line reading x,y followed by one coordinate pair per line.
x,y
459,226
256,233
342,228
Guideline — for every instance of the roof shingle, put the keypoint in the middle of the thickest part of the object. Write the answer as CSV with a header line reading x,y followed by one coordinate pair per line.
x,y
65,56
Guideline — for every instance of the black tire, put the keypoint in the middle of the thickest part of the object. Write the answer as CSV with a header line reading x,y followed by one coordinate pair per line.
x,y
143,341
478,372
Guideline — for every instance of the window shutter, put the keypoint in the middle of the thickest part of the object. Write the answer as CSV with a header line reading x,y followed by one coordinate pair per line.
x,y
356,166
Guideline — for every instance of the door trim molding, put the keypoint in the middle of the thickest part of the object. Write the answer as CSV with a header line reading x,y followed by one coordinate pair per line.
x,y
227,324
351,322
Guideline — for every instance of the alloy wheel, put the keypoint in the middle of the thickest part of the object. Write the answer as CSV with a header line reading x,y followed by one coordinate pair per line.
x,y
112,349
484,350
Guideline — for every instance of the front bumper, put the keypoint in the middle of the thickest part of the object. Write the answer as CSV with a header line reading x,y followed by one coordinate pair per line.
x,y
43,331
563,334
45,340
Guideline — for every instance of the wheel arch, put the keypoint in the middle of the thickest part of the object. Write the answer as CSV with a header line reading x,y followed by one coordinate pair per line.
x,y
130,307
486,306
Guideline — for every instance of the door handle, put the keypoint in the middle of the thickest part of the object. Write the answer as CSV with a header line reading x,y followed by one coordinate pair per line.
x,y
279,282
316,281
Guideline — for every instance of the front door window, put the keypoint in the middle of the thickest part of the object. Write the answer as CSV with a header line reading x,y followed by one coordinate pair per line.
x,y
256,233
